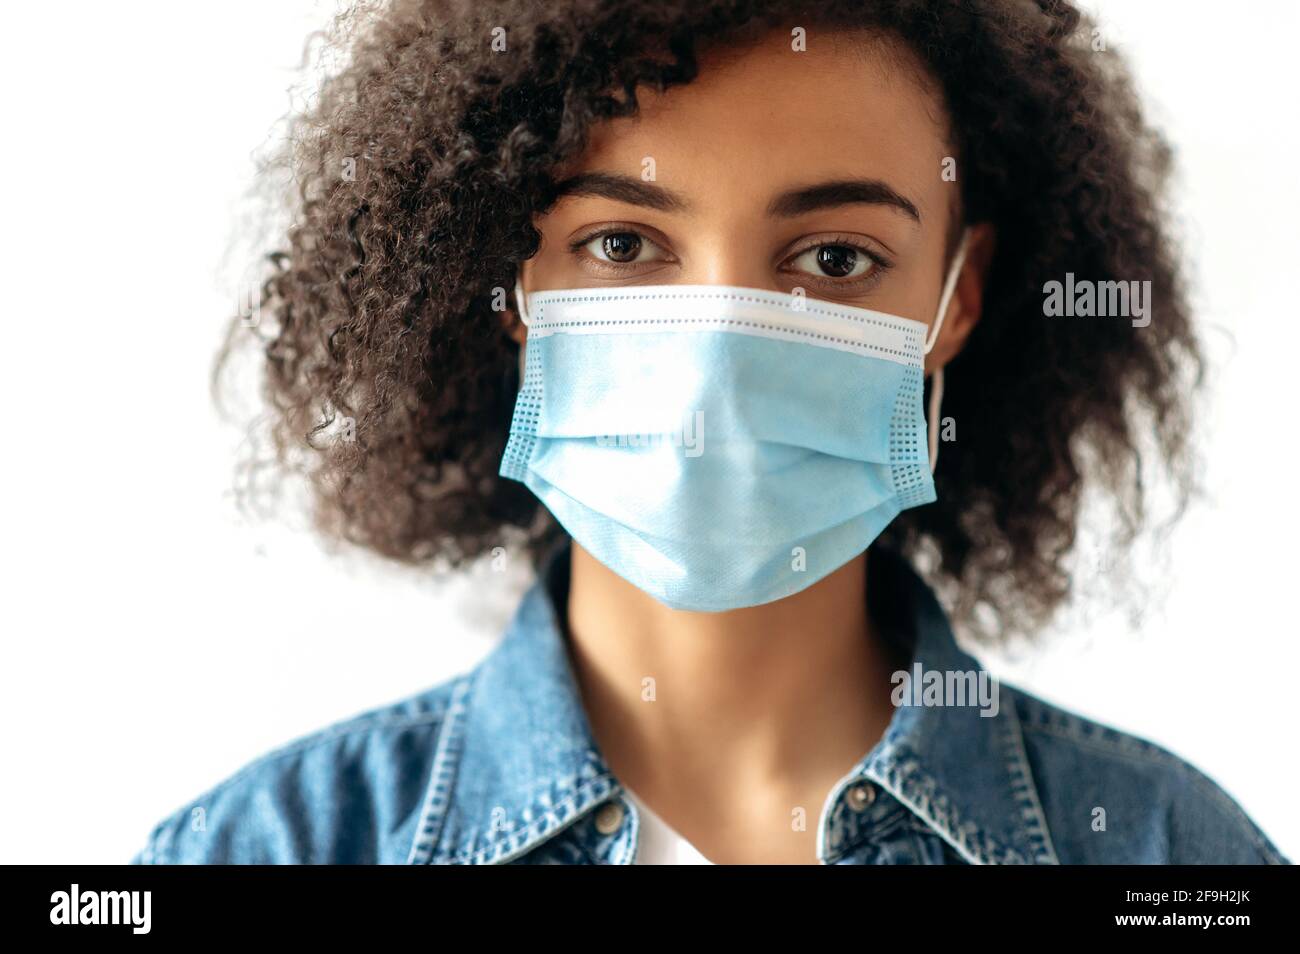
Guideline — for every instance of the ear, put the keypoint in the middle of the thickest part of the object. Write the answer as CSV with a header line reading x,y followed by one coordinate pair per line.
x,y
516,329
967,302
510,320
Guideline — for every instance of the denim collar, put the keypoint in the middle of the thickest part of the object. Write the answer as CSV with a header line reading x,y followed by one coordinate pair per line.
x,y
517,762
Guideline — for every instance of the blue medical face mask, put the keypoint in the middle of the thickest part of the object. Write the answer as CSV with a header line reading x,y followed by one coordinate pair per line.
x,y
719,446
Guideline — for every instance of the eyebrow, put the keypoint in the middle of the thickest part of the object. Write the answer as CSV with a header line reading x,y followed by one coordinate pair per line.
x,y
827,195
623,188
823,195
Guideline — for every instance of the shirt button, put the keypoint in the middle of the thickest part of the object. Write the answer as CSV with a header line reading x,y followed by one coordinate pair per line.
x,y
609,818
861,796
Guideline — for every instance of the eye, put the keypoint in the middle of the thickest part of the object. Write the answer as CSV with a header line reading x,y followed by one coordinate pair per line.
x,y
835,260
623,248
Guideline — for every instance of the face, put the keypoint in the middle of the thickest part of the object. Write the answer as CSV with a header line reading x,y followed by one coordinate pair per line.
x,y
819,170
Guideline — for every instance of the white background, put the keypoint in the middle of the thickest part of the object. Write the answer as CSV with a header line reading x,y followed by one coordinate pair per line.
x,y
153,643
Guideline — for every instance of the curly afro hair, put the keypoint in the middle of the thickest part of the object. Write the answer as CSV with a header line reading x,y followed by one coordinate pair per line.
x,y
390,378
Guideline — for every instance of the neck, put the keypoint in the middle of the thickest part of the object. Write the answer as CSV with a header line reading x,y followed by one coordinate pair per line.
x,y
689,707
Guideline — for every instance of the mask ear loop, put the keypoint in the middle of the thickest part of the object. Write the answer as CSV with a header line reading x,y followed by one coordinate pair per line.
x,y
936,379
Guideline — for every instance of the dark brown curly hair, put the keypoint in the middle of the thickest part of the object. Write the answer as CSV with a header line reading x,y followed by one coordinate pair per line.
x,y
390,378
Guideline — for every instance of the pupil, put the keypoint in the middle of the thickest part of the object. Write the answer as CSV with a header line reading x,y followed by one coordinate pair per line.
x,y
837,260
622,246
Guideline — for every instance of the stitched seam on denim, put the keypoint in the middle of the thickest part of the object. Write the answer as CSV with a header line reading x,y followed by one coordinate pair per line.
x,y
890,783
593,792
1150,752
1022,783
442,776
908,357
813,309
827,846
358,724
891,778
635,818
1063,724
635,836
545,828
914,789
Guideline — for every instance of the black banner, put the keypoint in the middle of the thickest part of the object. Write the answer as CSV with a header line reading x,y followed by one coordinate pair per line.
x,y
437,904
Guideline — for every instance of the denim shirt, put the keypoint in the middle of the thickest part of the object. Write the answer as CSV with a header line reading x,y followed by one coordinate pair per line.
x,y
498,765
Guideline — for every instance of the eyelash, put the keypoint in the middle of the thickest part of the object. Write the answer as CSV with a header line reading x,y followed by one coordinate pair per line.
x,y
577,245
879,262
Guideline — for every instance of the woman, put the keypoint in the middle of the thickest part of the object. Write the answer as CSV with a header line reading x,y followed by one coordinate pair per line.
x,y
740,319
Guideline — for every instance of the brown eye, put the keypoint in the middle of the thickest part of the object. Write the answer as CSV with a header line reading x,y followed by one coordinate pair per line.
x,y
622,248
834,261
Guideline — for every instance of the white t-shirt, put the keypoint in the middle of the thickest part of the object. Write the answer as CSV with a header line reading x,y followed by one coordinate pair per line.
x,y
657,843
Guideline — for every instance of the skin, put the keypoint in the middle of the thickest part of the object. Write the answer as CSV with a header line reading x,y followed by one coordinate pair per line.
x,y
759,712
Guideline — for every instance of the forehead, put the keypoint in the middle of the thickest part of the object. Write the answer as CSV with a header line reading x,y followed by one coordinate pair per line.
x,y
762,115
